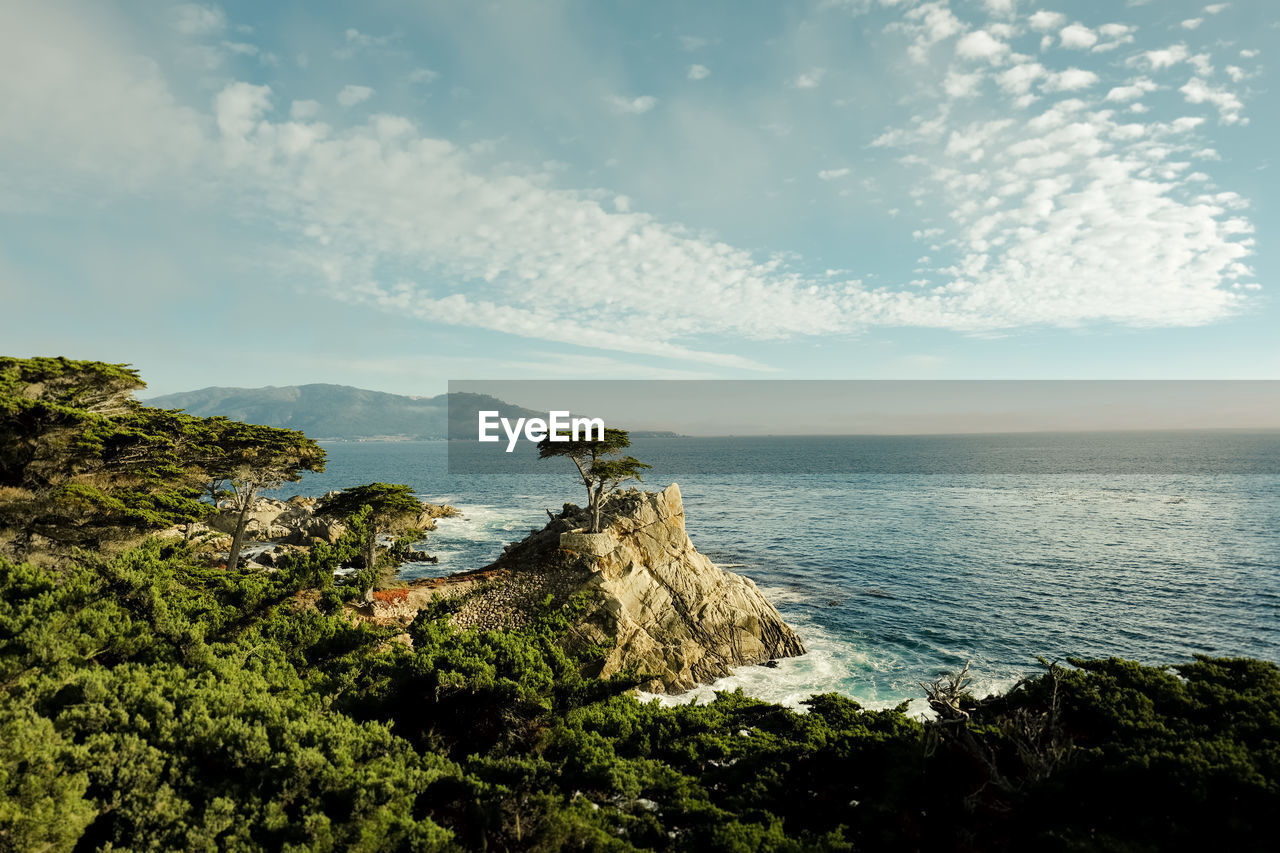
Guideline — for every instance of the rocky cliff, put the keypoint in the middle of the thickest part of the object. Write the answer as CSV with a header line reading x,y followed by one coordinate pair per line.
x,y
664,608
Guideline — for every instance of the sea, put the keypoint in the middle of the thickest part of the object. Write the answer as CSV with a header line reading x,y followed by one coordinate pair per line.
x,y
900,558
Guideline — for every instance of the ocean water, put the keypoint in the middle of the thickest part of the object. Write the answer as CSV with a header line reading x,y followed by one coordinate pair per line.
x,y
897,559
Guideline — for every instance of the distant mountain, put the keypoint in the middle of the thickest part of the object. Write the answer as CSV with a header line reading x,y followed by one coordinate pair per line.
x,y
343,412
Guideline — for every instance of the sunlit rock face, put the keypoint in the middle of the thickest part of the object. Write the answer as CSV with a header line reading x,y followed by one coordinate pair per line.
x,y
667,609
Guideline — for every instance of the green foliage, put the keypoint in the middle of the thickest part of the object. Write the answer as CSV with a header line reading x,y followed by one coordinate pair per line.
x,y
599,465
42,800
387,502
149,703
250,458
84,464
183,709
368,511
260,457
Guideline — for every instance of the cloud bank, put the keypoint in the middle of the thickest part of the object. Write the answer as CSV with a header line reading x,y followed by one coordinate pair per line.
x,y
1058,205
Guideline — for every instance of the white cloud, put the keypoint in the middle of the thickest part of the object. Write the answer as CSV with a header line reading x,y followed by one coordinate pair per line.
x,y
699,72
352,95
484,251
1114,36
239,107
1249,53
1070,80
1215,8
1000,8
1192,23
301,110
834,174
357,41
1197,91
1166,57
1077,37
692,43
958,85
1060,219
970,142
1132,91
1116,31
1043,21
810,79
927,25
193,19
980,44
506,236
622,280
1071,217
1018,80
423,75
631,106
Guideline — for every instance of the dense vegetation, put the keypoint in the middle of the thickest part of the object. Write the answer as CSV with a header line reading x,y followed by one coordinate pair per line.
x,y
147,702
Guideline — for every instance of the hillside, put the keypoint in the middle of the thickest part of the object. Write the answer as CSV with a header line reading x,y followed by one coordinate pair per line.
x,y
341,411
152,700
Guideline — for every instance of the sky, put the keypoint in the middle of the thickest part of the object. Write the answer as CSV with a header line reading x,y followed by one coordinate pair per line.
x,y
392,194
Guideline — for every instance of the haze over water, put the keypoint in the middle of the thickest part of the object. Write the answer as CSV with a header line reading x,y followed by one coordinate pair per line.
x,y
1154,546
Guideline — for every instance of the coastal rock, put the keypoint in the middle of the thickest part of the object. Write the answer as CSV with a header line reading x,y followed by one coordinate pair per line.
x,y
305,531
295,521
669,610
661,607
430,512
262,516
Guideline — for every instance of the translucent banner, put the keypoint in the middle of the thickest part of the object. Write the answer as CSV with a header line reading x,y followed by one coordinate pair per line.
x,y
868,427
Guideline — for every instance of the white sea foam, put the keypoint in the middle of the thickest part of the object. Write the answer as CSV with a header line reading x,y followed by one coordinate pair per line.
x,y
828,666
821,670
832,664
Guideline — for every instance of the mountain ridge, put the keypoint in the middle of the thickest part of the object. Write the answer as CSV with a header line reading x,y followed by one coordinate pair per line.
x,y
329,411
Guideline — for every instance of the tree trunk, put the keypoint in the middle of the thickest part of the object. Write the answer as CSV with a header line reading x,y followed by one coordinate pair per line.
x,y
237,541
371,561
597,506
586,481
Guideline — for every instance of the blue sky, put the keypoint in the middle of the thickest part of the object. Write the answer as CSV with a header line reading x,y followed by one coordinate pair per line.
x,y
392,195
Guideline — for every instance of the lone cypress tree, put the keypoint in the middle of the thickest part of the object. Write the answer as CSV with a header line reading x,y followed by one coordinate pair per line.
x,y
600,465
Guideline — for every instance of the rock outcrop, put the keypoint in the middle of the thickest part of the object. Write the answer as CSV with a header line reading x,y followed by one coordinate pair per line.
x,y
669,609
664,609
292,522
